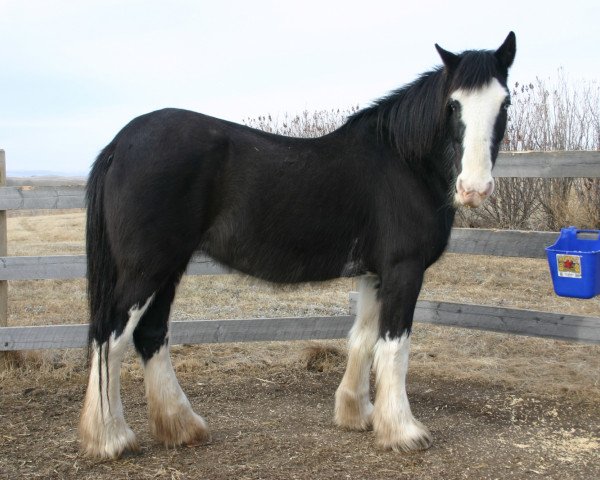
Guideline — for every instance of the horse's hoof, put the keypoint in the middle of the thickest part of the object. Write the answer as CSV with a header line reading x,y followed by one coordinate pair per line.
x,y
183,428
110,444
352,412
412,436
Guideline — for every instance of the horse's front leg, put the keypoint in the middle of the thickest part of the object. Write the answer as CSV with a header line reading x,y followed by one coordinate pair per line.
x,y
393,422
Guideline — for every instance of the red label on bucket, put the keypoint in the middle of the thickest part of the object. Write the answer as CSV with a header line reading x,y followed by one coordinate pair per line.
x,y
569,266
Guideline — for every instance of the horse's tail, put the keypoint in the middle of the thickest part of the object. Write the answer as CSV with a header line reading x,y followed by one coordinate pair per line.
x,y
101,266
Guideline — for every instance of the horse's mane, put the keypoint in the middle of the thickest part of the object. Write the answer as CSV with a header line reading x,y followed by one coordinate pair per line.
x,y
411,117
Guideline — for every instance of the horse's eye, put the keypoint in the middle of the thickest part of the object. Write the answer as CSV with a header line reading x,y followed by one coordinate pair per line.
x,y
452,105
506,104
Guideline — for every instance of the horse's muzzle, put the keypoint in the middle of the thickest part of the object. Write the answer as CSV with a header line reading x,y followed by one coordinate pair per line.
x,y
470,199
473,198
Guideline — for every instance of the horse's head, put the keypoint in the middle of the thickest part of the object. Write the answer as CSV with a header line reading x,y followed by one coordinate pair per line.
x,y
476,115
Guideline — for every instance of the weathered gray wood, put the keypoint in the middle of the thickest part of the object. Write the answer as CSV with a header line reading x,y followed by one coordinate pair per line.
x,y
505,320
3,252
508,320
43,337
189,332
203,265
504,243
34,198
509,164
509,243
53,267
74,266
261,329
496,319
548,164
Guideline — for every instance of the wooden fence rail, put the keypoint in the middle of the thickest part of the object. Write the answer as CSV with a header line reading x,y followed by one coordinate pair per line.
x,y
464,241
522,164
506,243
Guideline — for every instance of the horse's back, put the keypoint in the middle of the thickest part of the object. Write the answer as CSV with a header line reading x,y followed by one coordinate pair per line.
x,y
276,207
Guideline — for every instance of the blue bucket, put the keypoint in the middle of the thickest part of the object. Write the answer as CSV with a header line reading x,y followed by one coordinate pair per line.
x,y
574,262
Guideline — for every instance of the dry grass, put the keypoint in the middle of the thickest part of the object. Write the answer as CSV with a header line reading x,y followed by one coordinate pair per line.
x,y
49,234
322,357
534,364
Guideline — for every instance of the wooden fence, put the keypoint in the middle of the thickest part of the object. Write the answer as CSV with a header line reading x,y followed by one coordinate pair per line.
x,y
464,241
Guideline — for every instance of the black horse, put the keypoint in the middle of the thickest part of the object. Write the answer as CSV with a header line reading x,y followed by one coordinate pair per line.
x,y
375,198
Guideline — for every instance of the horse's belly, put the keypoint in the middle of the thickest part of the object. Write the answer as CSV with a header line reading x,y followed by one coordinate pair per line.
x,y
280,260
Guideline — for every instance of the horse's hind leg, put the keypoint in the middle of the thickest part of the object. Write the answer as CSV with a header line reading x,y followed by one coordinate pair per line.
x,y
103,430
172,420
353,407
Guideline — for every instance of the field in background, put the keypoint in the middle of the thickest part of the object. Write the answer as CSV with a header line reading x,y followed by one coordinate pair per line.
x,y
496,281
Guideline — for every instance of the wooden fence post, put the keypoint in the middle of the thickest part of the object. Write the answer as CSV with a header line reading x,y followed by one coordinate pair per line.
x,y
3,253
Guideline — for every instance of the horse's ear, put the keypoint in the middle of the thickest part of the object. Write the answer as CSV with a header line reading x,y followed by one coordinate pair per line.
x,y
451,60
507,51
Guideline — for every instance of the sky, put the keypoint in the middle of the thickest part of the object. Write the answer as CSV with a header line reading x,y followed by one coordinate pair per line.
x,y
73,73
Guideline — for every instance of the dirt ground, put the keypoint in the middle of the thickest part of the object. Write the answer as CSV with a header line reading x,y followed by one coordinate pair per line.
x,y
498,406
270,412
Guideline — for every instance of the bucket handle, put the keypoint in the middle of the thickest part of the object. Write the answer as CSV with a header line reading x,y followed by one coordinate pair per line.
x,y
592,232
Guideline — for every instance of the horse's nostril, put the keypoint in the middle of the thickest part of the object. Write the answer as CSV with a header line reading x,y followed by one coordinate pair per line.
x,y
489,189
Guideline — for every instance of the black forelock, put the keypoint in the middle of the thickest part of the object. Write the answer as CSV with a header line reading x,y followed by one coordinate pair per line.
x,y
476,68
411,117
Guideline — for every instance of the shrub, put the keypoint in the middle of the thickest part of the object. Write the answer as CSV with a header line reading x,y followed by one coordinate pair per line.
x,y
552,114
546,115
306,124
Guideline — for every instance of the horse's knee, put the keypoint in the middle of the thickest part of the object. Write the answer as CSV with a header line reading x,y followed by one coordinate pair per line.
x,y
147,343
152,331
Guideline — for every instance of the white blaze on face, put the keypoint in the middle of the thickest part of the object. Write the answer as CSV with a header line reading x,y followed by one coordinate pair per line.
x,y
479,111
